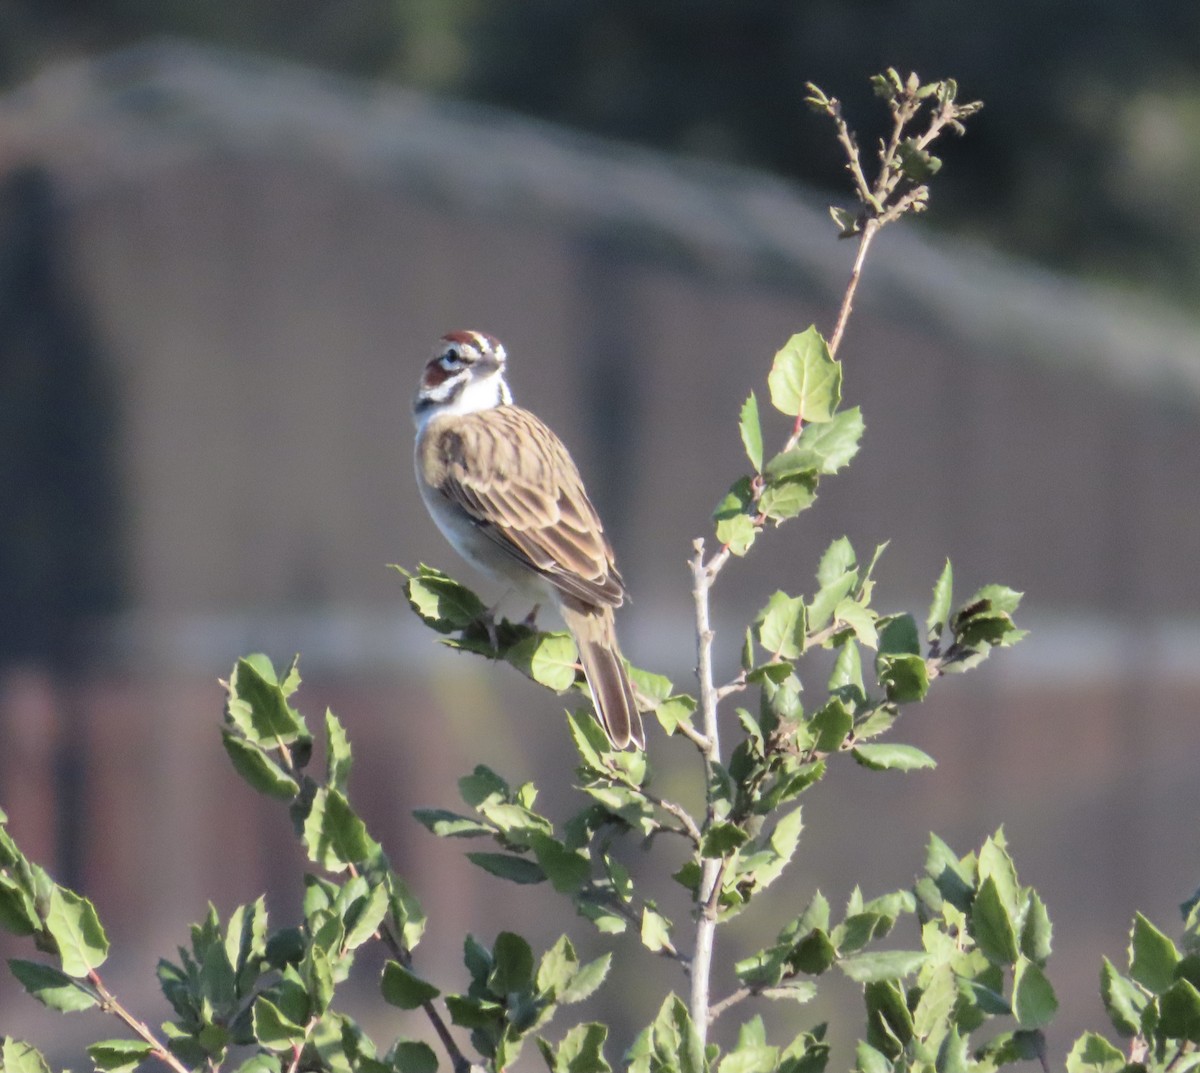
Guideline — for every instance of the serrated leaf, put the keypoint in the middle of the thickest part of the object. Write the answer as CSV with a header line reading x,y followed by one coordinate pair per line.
x,y
1179,1012
885,756
258,706
721,839
1036,932
785,497
507,866
1092,1053
822,449
51,987
334,835
581,1050
366,916
1034,1003
441,601
860,618
992,927
586,980
272,1029
118,1055
258,769
734,519
804,380
338,755
939,607
830,726
882,965
750,428
550,659
17,1056
1123,1001
77,932
781,625
905,679
1152,956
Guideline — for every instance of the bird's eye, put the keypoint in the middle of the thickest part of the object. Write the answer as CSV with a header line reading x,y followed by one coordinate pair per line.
x,y
451,360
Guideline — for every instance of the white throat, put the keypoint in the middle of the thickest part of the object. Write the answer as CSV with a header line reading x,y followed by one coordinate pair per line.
x,y
454,397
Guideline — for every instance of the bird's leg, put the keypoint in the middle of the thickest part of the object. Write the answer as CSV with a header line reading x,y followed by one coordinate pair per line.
x,y
530,620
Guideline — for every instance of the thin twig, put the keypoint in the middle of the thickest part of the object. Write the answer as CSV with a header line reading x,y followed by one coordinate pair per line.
x,y
740,995
870,228
110,1003
689,827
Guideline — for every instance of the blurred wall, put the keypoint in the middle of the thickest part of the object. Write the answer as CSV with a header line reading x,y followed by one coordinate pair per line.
x,y
266,255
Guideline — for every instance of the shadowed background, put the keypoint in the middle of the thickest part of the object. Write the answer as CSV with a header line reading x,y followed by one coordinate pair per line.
x,y
219,277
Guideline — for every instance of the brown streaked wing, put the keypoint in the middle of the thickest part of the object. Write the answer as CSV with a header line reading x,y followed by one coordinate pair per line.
x,y
516,479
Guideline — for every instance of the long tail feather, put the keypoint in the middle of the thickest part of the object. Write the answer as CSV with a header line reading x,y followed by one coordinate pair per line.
x,y
612,692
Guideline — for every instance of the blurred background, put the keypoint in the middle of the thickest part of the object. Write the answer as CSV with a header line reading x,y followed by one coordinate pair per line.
x,y
231,232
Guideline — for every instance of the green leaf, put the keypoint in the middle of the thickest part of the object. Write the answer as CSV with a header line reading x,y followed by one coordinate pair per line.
x,y
904,678
412,1056
991,926
868,1060
446,824
1179,1012
364,918
785,497
334,835
821,449
781,625
581,1050
721,839
403,989
18,913
442,602
550,659
734,518
939,607
1152,956
898,635
656,930
586,980
1092,1053
860,618
1123,1000
886,756
837,561
918,165
1034,1002
118,1055
72,921
830,725
506,866
258,769
1036,932
272,1029
257,704
51,987
16,1056
751,430
567,869
804,380
512,964
882,965
338,757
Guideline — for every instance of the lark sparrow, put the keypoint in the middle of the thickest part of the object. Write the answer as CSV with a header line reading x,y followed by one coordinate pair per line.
x,y
504,491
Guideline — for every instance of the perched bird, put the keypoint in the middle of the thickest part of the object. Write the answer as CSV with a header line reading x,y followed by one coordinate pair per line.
x,y
505,492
